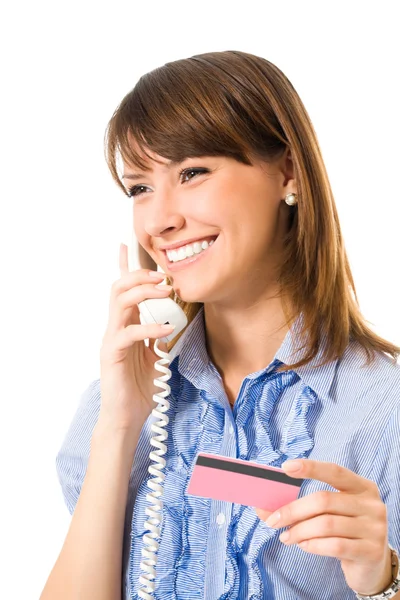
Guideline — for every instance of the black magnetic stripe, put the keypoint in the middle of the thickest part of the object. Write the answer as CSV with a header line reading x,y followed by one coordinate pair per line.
x,y
226,465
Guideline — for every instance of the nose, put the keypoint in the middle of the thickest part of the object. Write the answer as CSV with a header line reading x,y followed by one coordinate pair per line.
x,y
162,214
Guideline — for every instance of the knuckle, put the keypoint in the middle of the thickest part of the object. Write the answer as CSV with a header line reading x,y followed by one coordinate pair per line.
x,y
130,332
339,546
381,511
324,501
287,513
374,489
337,471
116,286
328,524
379,530
376,508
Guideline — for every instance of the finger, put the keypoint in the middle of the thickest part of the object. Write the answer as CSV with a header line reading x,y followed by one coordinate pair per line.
x,y
318,503
263,514
335,475
342,548
123,259
328,526
125,305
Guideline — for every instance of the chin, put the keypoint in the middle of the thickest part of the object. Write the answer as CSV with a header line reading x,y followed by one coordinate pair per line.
x,y
185,297
185,294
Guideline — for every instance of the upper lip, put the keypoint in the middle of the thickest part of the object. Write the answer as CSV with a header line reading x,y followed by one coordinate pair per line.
x,y
185,242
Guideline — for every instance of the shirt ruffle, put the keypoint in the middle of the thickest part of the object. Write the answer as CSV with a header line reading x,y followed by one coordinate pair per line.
x,y
247,535
181,565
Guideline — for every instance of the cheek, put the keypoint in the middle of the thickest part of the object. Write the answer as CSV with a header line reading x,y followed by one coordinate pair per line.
x,y
138,227
218,206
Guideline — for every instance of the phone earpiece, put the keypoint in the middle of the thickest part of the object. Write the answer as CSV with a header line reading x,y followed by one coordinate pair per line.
x,y
162,311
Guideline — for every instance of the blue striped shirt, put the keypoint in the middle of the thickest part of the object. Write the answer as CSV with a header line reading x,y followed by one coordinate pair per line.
x,y
343,412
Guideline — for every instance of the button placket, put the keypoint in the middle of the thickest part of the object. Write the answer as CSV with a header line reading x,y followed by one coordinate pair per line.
x,y
220,519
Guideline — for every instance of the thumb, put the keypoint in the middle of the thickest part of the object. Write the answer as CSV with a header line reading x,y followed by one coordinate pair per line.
x,y
263,514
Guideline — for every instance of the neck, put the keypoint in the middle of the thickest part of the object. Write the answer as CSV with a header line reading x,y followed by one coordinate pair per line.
x,y
242,340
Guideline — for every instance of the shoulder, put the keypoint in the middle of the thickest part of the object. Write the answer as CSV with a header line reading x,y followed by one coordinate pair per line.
x,y
375,382
77,439
90,399
379,375
88,409
73,454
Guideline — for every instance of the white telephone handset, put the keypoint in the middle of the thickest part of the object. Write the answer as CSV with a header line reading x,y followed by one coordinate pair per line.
x,y
162,311
156,310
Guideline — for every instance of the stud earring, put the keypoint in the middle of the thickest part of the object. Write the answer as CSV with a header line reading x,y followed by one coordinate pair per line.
x,y
291,199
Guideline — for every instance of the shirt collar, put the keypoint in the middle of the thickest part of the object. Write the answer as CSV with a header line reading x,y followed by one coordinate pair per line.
x,y
194,359
317,376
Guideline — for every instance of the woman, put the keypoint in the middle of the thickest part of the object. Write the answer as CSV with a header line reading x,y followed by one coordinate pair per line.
x,y
276,361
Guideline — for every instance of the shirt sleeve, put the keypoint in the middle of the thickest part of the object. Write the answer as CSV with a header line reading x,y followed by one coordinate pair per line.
x,y
72,458
385,472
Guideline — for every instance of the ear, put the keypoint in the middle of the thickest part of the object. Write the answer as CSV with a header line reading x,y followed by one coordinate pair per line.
x,y
145,260
287,168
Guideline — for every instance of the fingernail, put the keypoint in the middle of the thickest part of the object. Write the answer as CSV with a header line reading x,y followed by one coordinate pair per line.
x,y
273,519
292,465
156,274
162,286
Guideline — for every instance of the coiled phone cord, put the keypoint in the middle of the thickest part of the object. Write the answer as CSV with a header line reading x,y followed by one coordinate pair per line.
x,y
155,512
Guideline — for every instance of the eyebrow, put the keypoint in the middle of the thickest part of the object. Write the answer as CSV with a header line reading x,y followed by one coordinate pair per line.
x,y
169,164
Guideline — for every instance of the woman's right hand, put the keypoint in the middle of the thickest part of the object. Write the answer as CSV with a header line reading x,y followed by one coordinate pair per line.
x,y
126,363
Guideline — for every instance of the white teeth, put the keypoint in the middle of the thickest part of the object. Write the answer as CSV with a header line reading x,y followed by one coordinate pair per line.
x,y
189,250
181,253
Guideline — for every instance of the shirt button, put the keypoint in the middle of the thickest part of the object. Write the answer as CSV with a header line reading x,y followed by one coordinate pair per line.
x,y
231,430
220,519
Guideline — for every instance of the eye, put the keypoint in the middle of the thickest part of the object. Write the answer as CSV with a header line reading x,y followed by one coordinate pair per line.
x,y
197,171
134,190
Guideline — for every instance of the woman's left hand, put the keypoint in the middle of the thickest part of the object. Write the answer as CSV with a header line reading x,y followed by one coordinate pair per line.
x,y
350,525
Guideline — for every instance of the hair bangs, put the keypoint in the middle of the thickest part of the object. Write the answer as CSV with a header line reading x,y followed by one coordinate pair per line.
x,y
177,113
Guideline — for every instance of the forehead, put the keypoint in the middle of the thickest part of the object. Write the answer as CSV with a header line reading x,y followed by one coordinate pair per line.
x,y
132,172
134,147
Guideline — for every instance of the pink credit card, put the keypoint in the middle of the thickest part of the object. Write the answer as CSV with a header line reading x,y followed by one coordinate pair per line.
x,y
242,482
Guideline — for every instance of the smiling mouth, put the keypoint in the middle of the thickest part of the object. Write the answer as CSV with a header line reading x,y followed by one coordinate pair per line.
x,y
188,259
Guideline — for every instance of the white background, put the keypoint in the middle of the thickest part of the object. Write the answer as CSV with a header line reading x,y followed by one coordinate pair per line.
x,y
64,69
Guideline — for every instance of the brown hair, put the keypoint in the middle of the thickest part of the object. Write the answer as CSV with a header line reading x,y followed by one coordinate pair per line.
x,y
239,105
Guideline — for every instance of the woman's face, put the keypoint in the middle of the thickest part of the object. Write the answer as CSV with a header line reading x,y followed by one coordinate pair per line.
x,y
242,205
